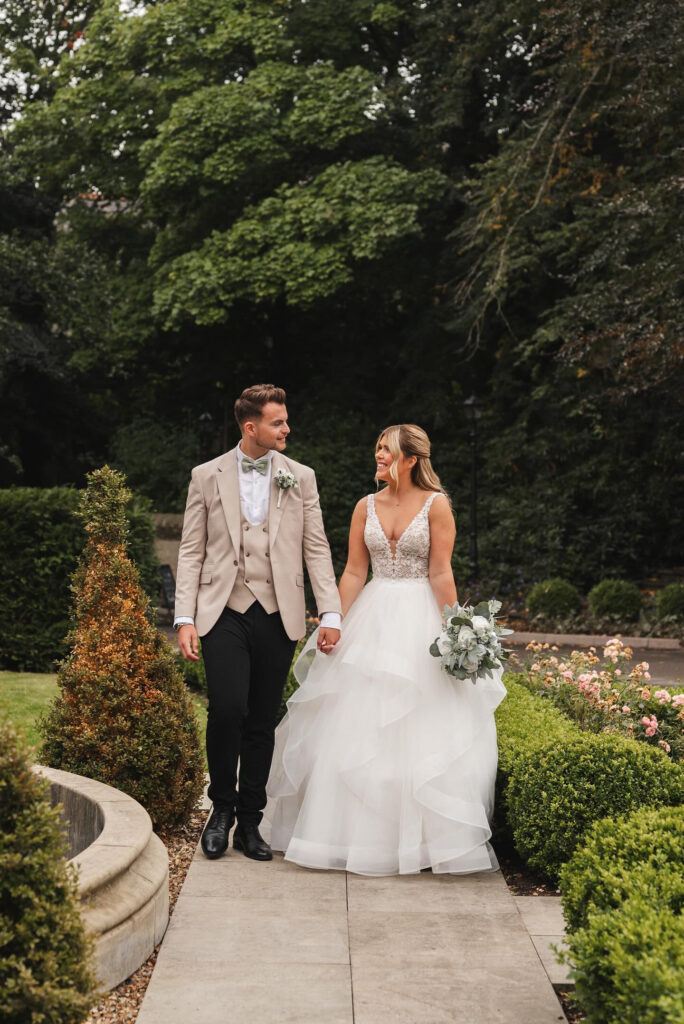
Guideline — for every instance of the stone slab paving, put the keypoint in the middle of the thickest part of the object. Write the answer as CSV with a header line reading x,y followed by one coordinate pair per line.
x,y
275,942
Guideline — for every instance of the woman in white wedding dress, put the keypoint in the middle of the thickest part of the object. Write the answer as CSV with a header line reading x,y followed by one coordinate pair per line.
x,y
384,764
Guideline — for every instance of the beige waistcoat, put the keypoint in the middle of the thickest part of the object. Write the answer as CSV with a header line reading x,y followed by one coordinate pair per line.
x,y
254,580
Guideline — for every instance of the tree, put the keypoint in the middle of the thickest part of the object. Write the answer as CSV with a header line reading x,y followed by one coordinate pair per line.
x,y
123,714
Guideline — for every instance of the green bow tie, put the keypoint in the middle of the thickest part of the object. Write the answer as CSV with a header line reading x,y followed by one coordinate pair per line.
x,y
260,465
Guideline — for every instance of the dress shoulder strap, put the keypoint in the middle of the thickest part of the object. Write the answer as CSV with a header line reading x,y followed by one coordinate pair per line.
x,y
432,497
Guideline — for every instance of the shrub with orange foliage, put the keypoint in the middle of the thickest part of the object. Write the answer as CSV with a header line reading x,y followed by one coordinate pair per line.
x,y
123,714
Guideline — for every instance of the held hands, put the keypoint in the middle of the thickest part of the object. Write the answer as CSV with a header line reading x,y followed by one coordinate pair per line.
x,y
327,638
187,641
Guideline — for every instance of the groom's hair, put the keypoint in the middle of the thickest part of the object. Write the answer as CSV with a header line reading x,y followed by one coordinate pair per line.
x,y
250,404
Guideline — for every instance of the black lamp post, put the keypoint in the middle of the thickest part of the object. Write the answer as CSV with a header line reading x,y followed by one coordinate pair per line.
x,y
473,408
205,423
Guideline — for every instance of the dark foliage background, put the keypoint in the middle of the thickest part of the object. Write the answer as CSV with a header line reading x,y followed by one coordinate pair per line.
x,y
383,207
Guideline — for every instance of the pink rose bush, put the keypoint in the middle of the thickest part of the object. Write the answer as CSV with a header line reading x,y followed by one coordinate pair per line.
x,y
600,695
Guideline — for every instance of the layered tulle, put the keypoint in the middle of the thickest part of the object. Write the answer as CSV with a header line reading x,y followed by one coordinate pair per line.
x,y
383,763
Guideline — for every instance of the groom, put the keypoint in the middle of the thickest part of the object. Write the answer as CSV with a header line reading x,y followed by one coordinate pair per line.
x,y
240,587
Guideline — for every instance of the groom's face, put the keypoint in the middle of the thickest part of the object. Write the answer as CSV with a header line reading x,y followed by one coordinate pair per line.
x,y
270,432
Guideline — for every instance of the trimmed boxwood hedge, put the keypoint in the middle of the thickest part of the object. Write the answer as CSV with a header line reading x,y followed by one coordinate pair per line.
x,y
644,849
40,542
555,794
524,723
45,954
623,896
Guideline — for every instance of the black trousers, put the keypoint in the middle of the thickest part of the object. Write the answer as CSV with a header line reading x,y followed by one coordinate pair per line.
x,y
247,657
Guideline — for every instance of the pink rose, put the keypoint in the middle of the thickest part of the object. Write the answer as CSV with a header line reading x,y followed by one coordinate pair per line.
x,y
647,675
662,696
678,700
626,710
665,745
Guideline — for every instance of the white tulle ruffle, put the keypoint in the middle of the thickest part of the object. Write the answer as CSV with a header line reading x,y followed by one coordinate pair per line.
x,y
384,764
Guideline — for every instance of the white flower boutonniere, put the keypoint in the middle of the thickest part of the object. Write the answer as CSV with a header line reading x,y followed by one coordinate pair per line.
x,y
284,480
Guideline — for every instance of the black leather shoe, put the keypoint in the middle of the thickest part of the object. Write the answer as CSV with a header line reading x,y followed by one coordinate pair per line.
x,y
247,839
215,835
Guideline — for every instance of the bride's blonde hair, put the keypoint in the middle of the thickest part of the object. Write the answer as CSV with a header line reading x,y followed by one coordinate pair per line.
x,y
411,440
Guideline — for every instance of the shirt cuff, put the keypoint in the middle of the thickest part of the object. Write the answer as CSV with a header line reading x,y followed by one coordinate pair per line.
x,y
331,620
183,620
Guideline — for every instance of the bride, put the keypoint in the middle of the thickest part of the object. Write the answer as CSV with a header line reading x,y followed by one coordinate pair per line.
x,y
384,764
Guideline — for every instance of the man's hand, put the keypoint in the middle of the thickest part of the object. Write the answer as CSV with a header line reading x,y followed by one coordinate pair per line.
x,y
188,642
327,638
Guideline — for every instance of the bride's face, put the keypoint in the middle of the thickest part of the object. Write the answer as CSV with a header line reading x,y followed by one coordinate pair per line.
x,y
384,459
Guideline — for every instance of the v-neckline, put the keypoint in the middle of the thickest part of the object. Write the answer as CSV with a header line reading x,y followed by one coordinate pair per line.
x,y
409,524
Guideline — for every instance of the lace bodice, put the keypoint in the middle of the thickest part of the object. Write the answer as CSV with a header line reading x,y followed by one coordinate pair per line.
x,y
412,552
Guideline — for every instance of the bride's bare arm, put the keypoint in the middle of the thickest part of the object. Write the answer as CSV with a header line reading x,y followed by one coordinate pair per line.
x,y
442,536
355,573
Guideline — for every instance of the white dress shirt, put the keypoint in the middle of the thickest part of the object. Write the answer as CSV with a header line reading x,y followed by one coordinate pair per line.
x,y
255,491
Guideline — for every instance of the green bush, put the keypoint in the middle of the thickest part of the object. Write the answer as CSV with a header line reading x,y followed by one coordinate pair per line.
x,y
670,601
644,849
124,715
555,794
40,542
616,599
524,723
193,671
45,972
628,964
555,599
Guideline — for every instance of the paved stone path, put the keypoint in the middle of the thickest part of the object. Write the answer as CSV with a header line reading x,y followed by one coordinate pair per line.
x,y
277,943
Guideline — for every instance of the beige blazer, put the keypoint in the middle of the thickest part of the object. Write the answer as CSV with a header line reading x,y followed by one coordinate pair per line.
x,y
210,544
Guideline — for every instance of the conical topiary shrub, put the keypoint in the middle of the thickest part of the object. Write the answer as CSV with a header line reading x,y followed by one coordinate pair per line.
x,y
44,951
124,715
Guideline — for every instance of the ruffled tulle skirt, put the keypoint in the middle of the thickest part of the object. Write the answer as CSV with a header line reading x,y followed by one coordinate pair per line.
x,y
384,764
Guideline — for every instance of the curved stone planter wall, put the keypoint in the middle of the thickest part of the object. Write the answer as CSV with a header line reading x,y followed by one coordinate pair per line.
x,y
123,871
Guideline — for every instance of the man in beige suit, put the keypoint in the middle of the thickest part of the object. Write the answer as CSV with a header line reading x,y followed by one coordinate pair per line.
x,y
252,518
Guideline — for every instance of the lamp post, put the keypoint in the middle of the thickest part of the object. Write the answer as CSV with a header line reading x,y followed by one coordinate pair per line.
x,y
473,408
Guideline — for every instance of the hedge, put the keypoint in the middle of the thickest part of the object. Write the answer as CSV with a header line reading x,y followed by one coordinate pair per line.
x,y
40,542
623,895
554,781
557,793
45,954
646,846
524,723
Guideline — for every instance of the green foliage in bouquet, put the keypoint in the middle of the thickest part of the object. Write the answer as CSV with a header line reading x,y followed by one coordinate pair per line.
x,y
45,972
670,602
556,793
619,599
124,715
468,644
623,893
554,598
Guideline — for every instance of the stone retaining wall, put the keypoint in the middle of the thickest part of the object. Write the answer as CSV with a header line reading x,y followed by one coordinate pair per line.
x,y
123,871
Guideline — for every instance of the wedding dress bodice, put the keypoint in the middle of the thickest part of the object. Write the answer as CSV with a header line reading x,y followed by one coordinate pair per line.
x,y
412,550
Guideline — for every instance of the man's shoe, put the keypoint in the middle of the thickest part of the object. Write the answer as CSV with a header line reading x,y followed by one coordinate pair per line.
x,y
247,839
215,835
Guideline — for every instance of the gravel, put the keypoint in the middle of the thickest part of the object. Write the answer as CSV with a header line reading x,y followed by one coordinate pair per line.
x,y
122,1004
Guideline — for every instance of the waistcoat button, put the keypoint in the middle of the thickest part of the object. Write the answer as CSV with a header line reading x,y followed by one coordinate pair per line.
x,y
265,530
268,581
235,562
247,554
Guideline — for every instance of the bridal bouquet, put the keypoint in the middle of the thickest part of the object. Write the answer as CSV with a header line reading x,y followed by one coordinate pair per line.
x,y
469,642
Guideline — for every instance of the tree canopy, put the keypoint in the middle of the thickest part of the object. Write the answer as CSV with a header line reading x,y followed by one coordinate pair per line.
x,y
382,206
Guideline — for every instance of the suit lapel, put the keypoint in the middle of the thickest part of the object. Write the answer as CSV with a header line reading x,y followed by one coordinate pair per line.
x,y
229,491
275,514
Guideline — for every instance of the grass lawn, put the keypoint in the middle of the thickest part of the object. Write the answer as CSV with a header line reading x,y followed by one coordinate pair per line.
x,y
25,695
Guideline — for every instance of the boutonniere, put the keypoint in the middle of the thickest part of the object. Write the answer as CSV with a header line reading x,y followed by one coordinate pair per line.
x,y
284,480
